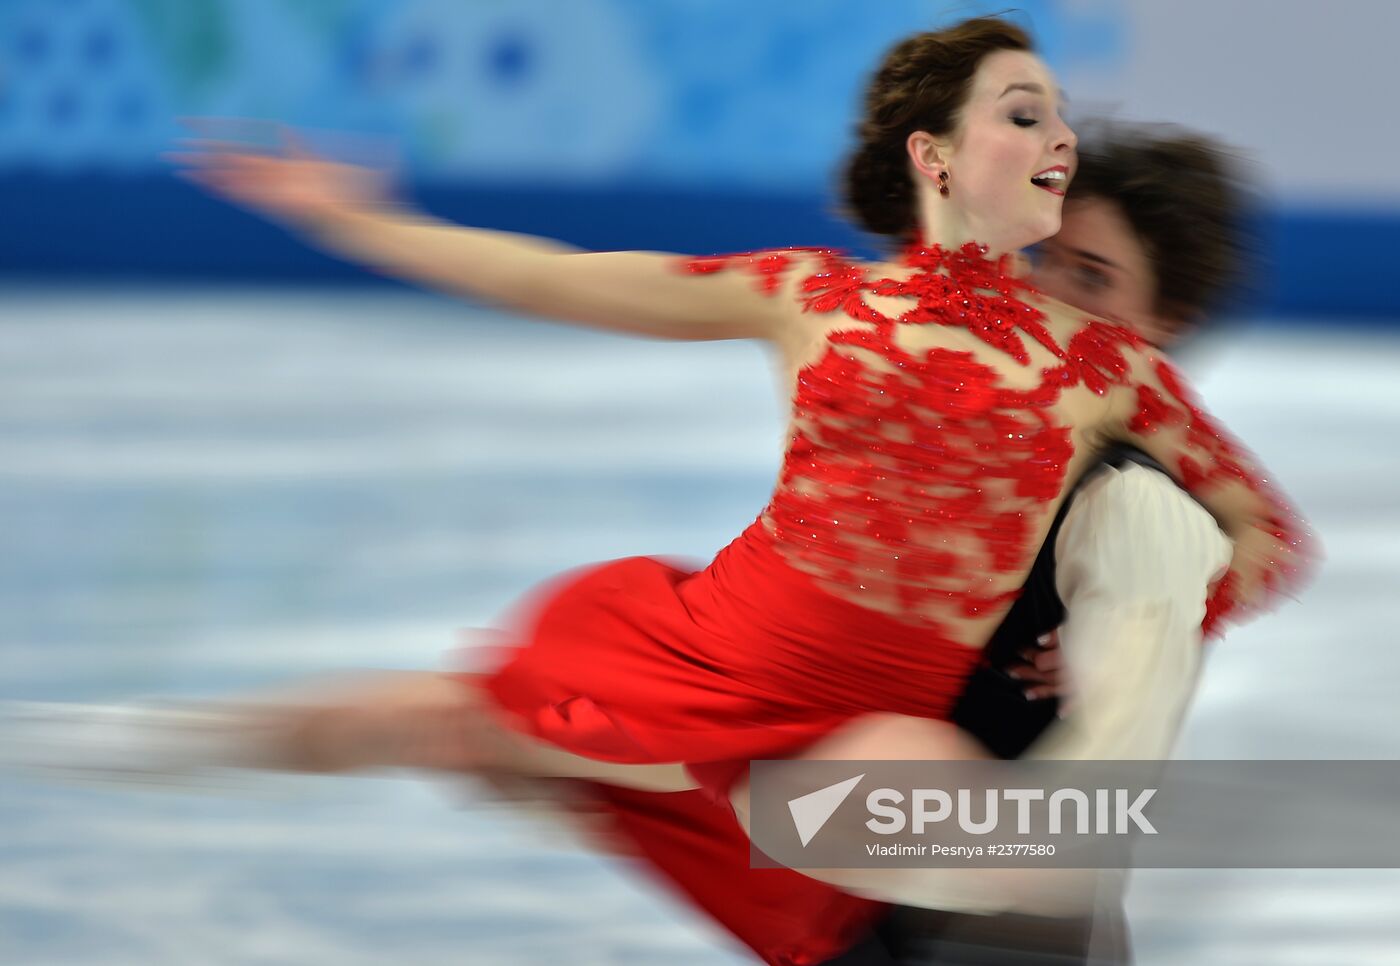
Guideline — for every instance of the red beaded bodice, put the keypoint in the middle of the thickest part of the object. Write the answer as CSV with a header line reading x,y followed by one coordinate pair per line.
x,y
919,478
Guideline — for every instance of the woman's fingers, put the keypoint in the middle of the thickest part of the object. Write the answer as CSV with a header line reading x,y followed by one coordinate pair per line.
x,y
270,169
1048,660
220,140
1041,670
246,164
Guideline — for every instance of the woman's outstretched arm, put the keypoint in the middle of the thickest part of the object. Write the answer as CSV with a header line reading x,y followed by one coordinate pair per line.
x,y
1156,411
348,210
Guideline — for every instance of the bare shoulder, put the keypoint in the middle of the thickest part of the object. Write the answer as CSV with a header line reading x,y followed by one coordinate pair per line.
x,y
776,270
818,289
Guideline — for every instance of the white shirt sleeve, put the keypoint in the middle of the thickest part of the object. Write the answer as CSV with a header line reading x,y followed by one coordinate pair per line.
x,y
1134,558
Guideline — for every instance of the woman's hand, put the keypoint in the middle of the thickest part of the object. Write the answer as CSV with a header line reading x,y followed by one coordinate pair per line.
x,y
286,183
1041,671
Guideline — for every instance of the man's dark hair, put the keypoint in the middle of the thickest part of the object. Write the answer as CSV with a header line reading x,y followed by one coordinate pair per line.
x,y
1183,196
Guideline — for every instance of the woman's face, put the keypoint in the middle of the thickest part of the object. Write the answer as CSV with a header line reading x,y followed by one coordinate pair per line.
x,y
1012,155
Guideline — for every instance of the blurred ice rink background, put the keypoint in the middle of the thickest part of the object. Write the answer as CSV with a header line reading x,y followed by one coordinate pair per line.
x,y
226,461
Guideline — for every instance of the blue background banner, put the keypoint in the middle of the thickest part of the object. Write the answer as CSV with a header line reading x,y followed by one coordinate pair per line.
x,y
688,126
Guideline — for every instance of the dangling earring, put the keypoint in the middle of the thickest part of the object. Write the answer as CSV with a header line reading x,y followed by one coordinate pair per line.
x,y
943,183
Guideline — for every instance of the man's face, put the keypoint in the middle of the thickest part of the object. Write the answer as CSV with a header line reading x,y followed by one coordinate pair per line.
x,y
1096,263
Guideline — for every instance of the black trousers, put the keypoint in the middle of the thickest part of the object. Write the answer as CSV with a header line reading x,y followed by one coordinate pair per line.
x,y
927,937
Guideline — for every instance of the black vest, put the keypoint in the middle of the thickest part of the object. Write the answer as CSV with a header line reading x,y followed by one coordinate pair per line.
x,y
993,707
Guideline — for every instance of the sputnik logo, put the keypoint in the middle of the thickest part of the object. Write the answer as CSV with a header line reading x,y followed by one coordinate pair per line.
x,y
811,811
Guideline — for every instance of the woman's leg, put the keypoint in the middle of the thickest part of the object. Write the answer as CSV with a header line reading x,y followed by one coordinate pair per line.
x,y
427,721
418,720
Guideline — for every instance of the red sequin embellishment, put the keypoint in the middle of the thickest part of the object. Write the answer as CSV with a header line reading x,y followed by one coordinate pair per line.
x,y
767,266
916,481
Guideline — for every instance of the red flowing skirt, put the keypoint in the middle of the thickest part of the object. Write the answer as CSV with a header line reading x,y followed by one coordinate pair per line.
x,y
700,850
639,661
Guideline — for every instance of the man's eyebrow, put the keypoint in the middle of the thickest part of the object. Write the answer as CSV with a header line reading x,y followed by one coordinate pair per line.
x,y
1094,257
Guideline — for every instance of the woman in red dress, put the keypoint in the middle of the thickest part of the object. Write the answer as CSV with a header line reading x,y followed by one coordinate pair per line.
x,y
940,409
